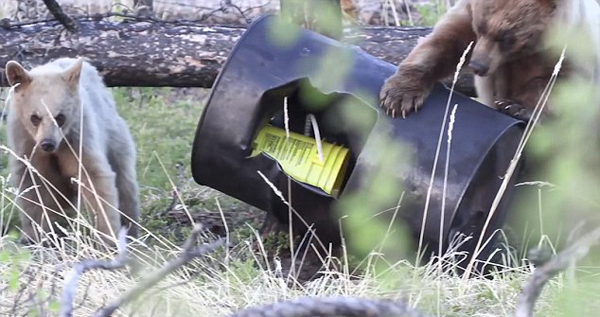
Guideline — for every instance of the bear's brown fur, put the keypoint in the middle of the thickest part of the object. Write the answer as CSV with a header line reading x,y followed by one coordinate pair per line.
x,y
511,63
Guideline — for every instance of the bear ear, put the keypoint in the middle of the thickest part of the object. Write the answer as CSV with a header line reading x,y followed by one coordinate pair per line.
x,y
72,74
16,74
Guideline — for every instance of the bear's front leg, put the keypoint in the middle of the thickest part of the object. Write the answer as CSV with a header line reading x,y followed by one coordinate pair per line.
x,y
27,202
36,214
434,58
100,193
40,206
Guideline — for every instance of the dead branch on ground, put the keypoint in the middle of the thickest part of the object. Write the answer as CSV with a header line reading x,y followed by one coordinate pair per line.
x,y
533,287
68,296
188,253
332,306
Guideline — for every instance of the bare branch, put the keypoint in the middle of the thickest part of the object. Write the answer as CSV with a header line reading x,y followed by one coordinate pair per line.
x,y
68,296
63,18
20,298
188,253
533,288
331,306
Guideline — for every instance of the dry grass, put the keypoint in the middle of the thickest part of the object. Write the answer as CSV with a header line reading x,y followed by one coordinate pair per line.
x,y
210,287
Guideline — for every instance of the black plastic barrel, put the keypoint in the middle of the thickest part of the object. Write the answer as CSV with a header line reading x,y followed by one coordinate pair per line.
x,y
249,91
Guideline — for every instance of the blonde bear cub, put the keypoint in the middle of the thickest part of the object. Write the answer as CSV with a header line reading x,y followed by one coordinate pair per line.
x,y
46,127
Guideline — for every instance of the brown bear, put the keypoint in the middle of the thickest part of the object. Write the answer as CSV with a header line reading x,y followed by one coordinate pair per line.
x,y
510,60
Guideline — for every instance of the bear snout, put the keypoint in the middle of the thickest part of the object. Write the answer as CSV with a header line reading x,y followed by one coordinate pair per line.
x,y
478,68
48,145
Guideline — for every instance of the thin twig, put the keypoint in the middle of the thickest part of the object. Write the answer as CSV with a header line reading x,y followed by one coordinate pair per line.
x,y
177,189
331,306
533,288
60,16
23,288
188,253
68,296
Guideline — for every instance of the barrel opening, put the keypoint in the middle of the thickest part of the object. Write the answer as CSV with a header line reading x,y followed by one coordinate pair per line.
x,y
341,119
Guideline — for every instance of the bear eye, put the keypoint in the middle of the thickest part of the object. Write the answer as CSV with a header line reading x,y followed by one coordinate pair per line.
x,y
60,119
482,28
506,41
35,120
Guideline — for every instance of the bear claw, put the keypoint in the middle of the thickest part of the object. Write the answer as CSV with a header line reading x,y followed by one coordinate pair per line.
x,y
398,99
513,109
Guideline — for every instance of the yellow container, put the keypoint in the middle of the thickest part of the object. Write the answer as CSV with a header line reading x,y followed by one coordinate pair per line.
x,y
299,158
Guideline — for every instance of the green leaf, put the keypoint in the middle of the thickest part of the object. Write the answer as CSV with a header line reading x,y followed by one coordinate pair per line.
x,y
54,307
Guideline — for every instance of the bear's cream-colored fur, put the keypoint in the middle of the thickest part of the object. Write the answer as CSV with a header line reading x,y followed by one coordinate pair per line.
x,y
54,110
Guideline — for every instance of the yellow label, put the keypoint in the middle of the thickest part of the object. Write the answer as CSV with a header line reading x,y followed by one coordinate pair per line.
x,y
294,151
299,158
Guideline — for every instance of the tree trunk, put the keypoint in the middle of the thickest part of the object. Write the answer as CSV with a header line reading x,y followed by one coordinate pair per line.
x,y
169,54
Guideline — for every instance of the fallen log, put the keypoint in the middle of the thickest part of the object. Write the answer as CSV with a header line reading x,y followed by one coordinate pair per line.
x,y
175,54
